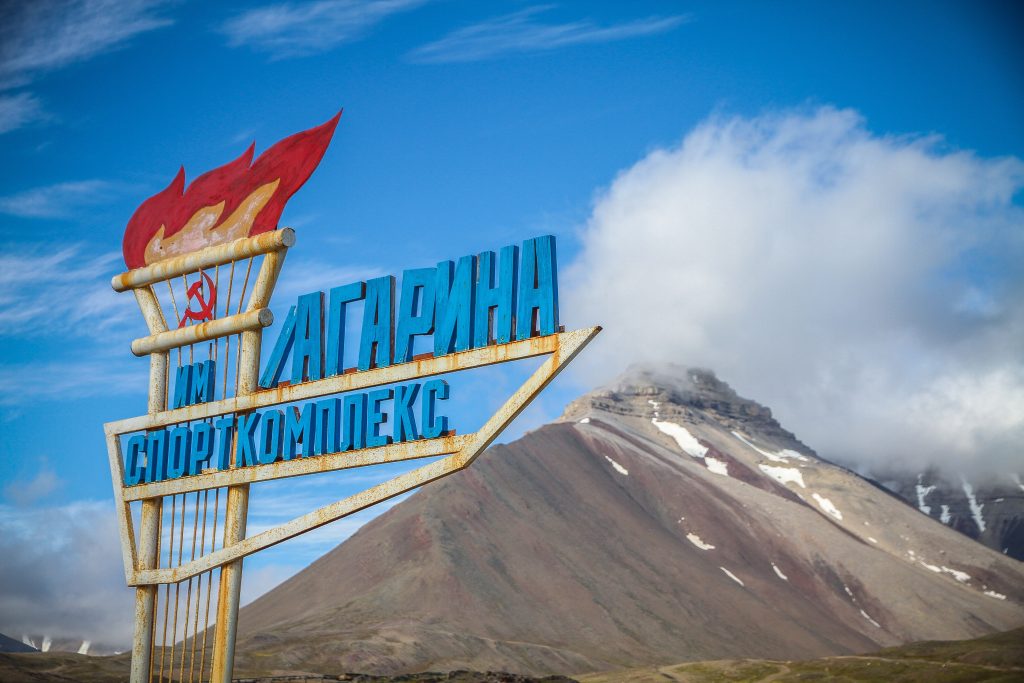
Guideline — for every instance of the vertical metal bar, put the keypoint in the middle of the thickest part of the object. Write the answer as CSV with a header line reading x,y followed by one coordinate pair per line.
x,y
227,340
149,525
156,601
226,629
199,592
167,586
177,587
209,582
188,595
238,496
241,303
145,596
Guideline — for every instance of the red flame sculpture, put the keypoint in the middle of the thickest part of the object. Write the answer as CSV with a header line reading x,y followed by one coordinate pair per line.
x,y
233,201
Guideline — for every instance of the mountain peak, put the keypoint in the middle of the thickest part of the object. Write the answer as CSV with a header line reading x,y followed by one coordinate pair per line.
x,y
676,383
674,391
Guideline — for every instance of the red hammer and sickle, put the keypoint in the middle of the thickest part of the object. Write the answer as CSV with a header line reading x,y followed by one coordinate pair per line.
x,y
197,291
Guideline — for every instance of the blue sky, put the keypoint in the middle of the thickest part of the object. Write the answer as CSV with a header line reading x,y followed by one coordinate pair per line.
x,y
469,126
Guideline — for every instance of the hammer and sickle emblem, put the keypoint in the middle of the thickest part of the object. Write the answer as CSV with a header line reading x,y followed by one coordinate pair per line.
x,y
198,290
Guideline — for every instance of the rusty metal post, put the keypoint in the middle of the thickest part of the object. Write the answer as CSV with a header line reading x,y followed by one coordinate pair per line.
x,y
145,596
149,526
226,630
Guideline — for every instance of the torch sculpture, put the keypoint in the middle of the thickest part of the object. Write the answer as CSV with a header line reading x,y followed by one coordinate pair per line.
x,y
203,262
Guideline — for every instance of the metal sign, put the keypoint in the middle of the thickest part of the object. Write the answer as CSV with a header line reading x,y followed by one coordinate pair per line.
x,y
216,424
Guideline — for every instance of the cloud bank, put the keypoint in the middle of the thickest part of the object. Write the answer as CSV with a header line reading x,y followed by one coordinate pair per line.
x,y
75,298
47,35
867,288
61,573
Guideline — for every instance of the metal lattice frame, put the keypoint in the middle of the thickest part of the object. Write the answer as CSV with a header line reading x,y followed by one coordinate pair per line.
x,y
142,559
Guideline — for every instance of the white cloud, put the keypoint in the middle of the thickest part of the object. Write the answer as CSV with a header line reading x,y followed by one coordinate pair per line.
x,y
58,200
26,491
520,32
294,30
70,379
866,288
61,573
45,35
311,275
19,110
65,290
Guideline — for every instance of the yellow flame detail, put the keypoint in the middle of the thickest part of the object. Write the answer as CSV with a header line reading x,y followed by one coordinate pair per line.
x,y
199,231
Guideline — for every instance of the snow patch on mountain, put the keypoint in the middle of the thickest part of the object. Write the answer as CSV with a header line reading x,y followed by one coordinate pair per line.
x,y
732,576
778,573
717,466
618,468
696,540
683,437
944,516
784,474
785,455
922,493
826,505
789,454
974,505
656,406
962,577
865,615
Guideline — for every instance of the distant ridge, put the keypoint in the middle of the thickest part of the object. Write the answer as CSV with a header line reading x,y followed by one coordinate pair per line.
x,y
8,644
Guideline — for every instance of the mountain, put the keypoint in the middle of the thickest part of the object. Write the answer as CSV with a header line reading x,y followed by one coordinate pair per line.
x,y
661,519
8,644
44,643
990,511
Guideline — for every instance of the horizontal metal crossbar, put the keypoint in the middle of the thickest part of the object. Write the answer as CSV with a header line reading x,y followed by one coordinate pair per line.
x,y
195,334
403,372
360,501
330,462
205,258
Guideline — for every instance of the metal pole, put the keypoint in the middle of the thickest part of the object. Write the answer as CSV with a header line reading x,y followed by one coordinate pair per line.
x,y
226,629
238,496
145,596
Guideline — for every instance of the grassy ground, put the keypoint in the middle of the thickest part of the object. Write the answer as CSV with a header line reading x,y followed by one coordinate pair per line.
x,y
999,657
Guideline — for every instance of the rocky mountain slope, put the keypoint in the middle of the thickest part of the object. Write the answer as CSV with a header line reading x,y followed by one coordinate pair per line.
x,y
8,644
662,519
